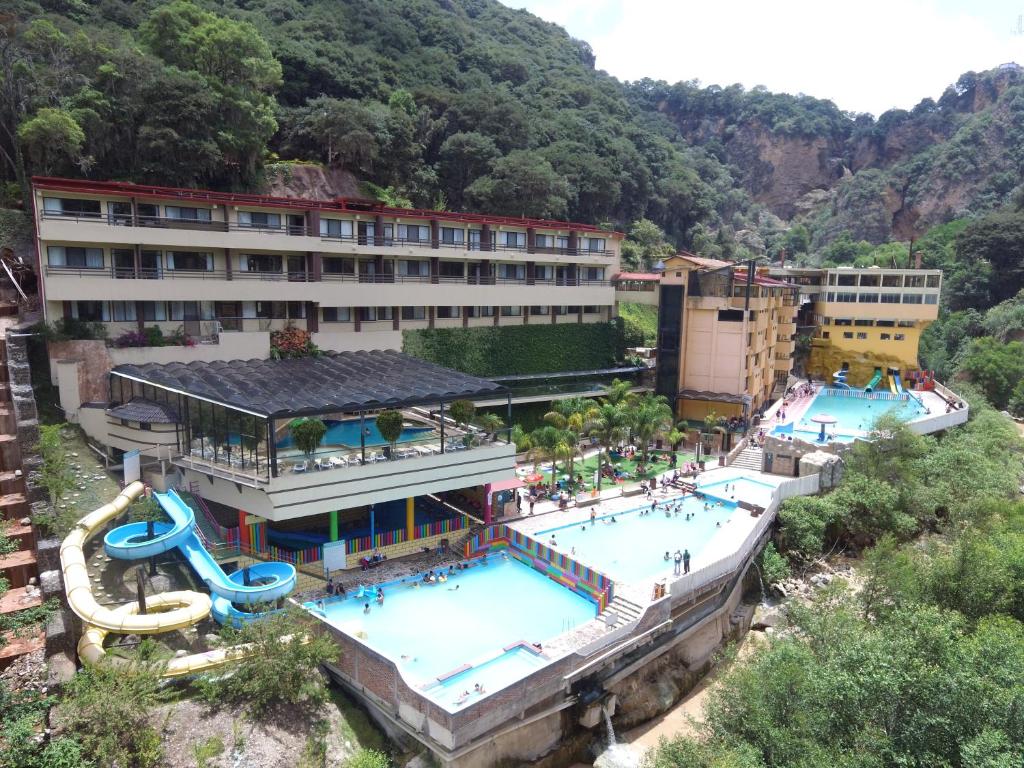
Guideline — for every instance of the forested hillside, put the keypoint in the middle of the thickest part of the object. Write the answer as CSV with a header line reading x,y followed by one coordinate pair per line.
x,y
467,104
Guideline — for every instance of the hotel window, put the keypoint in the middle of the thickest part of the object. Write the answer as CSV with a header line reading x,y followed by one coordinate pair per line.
x,y
262,262
890,298
830,296
870,281
899,337
449,313
848,298
868,298
194,310
296,310
513,239
337,314
154,311
843,321
912,298
413,233
931,281
885,323
452,236
574,309
186,214
190,261
931,298
905,323
592,273
413,268
512,271
832,279
88,311
847,334
338,228
259,220
540,310
62,206
543,272
480,312
892,281
474,239
333,266
885,336
592,309
451,269
511,311
864,323
846,280
147,212
82,258
862,336
562,243
825,334
542,241
121,311
595,243
124,262
914,281
414,313
120,212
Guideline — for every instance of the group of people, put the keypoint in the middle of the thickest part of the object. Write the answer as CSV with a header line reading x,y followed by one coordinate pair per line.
x,y
682,561
373,560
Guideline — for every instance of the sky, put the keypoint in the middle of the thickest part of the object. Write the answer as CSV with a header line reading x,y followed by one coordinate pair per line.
x,y
866,56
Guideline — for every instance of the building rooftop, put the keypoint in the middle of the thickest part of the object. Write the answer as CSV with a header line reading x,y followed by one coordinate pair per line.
x,y
140,409
346,381
342,204
651,277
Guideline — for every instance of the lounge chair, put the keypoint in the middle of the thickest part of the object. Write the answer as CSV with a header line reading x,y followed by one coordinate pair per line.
x,y
337,461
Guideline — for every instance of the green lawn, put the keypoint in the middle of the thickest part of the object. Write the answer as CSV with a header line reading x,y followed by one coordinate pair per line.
x,y
658,464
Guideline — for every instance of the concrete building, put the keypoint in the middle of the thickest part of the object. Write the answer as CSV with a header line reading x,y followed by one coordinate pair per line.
x,y
725,336
227,269
864,319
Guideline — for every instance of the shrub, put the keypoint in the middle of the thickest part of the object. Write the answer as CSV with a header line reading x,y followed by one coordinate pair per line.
x,y
307,434
462,411
774,567
71,329
276,670
292,342
389,424
152,336
368,758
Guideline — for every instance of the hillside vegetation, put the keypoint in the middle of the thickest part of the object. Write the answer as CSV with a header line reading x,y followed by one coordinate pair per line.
x,y
467,104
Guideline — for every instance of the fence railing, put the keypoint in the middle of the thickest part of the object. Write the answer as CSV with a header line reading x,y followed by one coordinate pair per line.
x,y
227,535
862,395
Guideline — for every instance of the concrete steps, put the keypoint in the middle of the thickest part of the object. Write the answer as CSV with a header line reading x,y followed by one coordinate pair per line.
x,y
620,612
750,457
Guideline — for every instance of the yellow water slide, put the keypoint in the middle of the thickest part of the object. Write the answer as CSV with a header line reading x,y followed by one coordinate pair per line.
x,y
170,610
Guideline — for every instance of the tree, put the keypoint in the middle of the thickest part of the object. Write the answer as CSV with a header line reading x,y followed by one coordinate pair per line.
x,y
146,510
996,240
307,434
462,411
491,423
464,158
52,139
390,424
607,421
521,184
281,664
568,416
645,245
995,367
551,444
649,415
804,522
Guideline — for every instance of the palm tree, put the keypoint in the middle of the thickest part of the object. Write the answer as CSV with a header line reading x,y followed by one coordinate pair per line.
x,y
649,415
552,444
607,422
618,392
491,423
568,415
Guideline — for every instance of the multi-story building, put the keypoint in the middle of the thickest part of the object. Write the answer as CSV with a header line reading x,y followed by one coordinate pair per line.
x,y
229,268
865,319
725,336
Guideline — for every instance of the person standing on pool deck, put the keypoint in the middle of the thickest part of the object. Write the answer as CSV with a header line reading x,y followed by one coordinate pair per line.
x,y
678,562
686,561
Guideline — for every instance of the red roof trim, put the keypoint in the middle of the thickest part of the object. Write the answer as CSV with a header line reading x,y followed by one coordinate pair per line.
x,y
647,277
349,205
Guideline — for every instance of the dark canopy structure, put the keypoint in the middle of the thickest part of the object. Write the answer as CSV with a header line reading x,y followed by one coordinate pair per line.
x,y
344,381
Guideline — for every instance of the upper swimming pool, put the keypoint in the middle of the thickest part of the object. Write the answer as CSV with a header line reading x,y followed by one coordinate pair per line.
x,y
432,631
854,416
346,433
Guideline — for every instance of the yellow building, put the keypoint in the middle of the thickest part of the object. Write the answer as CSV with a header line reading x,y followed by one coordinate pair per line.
x,y
869,319
725,338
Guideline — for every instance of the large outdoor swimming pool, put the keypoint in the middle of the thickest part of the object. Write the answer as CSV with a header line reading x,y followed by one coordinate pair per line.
x,y
632,549
739,489
347,433
855,416
431,631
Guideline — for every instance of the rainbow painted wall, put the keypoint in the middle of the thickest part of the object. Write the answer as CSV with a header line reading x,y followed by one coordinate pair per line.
x,y
582,580
399,535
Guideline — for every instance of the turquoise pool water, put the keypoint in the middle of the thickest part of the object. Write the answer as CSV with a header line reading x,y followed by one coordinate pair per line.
x,y
492,675
432,630
347,433
632,549
855,416
739,489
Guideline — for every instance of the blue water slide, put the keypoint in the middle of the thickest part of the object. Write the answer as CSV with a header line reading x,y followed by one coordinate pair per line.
x,y
266,581
225,613
899,382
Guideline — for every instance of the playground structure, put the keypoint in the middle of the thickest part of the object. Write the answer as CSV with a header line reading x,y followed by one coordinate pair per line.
x,y
169,611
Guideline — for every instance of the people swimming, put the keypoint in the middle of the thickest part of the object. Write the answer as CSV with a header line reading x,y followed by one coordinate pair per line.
x,y
366,607
455,588
380,596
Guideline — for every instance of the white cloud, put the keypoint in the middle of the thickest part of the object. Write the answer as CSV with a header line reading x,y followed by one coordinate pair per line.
x,y
867,56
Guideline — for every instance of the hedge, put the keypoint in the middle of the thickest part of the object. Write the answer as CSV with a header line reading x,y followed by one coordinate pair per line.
x,y
640,324
512,349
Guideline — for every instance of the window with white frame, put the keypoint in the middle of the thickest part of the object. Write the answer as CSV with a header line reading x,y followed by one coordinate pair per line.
x,y
513,239
259,220
543,241
64,206
511,311
82,258
512,271
474,239
413,233
154,311
452,236
88,311
414,313
337,314
595,243
339,228
190,261
185,213
121,312
414,267
543,272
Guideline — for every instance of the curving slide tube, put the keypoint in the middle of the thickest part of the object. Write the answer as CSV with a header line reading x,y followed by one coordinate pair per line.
x,y
169,610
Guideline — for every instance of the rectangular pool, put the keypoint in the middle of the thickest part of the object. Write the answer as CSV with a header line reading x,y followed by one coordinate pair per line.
x,y
854,416
433,630
632,549
739,489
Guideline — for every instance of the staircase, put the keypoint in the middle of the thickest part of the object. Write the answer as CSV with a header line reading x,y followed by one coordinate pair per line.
x,y
750,457
620,612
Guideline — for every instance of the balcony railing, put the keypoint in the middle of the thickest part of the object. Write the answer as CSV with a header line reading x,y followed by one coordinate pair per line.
x,y
162,222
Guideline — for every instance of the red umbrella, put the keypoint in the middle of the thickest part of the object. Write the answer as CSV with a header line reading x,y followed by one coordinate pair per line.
x,y
534,478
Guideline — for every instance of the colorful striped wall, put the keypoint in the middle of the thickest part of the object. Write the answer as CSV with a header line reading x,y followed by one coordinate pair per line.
x,y
295,556
399,535
585,581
